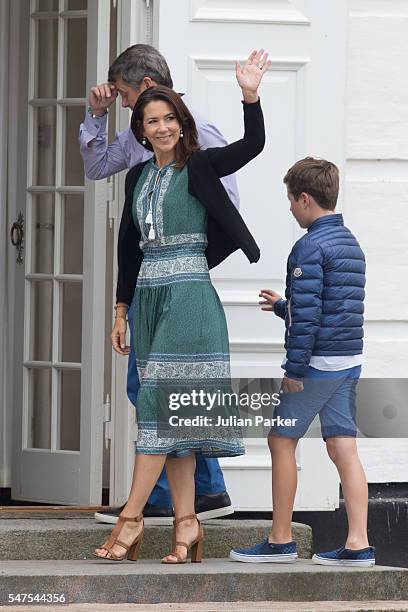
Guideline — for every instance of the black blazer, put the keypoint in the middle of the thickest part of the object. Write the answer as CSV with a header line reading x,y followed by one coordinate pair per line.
x,y
226,230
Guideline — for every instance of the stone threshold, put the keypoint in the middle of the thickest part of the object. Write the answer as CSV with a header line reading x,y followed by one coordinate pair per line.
x,y
144,582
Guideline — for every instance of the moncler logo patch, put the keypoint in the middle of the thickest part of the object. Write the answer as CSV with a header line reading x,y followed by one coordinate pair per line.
x,y
297,272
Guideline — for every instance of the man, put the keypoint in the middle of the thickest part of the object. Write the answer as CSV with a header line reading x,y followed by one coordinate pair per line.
x,y
136,69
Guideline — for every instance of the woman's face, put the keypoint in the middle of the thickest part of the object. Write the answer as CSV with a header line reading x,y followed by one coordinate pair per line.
x,y
160,126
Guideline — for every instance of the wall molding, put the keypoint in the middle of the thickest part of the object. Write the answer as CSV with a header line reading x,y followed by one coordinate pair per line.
x,y
239,298
244,345
249,12
286,64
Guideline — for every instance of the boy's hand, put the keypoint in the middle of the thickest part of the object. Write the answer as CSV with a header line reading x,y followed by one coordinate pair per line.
x,y
270,298
290,385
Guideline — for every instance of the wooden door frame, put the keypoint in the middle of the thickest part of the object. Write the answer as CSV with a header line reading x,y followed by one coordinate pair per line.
x,y
5,412
89,468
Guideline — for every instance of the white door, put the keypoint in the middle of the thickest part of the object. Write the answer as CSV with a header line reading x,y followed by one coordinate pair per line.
x,y
303,102
62,46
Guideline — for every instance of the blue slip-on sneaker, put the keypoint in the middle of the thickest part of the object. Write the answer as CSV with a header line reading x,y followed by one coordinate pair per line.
x,y
365,557
265,552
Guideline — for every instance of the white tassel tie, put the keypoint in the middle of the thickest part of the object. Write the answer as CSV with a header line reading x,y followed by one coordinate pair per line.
x,y
149,221
149,216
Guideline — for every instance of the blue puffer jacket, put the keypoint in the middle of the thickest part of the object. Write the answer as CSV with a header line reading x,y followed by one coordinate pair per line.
x,y
325,281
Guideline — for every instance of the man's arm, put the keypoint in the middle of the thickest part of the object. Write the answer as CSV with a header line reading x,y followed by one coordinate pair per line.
x,y
209,136
304,307
100,159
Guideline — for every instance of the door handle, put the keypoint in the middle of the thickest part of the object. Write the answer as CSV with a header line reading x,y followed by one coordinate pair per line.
x,y
17,236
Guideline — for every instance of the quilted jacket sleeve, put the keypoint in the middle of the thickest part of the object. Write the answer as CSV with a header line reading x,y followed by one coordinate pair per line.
x,y
280,307
305,283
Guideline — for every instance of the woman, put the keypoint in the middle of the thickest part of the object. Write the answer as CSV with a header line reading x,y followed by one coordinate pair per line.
x,y
177,223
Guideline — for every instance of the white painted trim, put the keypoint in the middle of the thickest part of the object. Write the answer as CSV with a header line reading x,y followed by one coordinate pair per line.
x,y
18,144
251,13
132,20
241,298
258,464
74,14
244,345
43,14
93,315
208,62
5,424
60,101
58,365
131,16
46,451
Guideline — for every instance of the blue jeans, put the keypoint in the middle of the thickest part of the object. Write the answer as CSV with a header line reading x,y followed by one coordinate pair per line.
x,y
208,475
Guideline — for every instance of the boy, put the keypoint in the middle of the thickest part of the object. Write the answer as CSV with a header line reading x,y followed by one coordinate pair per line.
x,y
323,313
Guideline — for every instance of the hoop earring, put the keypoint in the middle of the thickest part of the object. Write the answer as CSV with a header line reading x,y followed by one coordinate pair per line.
x,y
181,133
144,141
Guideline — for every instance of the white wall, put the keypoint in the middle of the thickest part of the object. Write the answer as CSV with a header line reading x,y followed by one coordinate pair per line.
x,y
376,198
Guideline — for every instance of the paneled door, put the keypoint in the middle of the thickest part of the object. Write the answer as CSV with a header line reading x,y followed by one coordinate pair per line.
x,y
303,101
60,292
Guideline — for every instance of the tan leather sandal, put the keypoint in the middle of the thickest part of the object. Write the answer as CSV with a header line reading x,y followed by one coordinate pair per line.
x,y
131,550
196,546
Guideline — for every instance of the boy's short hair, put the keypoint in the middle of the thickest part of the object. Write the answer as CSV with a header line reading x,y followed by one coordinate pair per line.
x,y
317,177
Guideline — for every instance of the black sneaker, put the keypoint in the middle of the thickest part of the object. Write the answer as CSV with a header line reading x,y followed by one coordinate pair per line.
x,y
210,506
213,505
153,515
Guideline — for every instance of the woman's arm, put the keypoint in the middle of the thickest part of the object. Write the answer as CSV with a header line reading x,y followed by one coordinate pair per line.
x,y
229,159
130,255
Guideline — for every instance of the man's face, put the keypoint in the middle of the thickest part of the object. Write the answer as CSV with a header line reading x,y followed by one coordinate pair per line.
x,y
129,94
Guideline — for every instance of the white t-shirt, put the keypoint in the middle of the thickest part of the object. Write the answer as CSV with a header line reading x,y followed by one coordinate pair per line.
x,y
333,363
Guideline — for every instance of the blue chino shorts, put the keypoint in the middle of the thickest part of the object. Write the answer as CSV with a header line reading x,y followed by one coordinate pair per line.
x,y
331,395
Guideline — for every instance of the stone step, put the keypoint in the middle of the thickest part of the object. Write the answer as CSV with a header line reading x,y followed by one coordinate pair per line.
x,y
65,539
214,580
247,606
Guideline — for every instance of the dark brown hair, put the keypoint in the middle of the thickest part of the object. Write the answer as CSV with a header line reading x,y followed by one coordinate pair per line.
x,y
317,177
186,145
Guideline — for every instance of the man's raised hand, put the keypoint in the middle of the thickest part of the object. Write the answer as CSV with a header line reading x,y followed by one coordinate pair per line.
x,y
101,97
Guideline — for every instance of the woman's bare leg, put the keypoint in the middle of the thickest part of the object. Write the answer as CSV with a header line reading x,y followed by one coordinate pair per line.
x,y
146,471
180,475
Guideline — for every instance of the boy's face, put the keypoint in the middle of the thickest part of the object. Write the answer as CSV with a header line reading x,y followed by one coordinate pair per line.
x,y
299,209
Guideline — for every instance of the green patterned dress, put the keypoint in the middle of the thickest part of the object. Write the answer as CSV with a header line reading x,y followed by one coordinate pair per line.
x,y
180,330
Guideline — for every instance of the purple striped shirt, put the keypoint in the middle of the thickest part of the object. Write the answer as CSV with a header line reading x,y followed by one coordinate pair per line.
x,y
102,159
